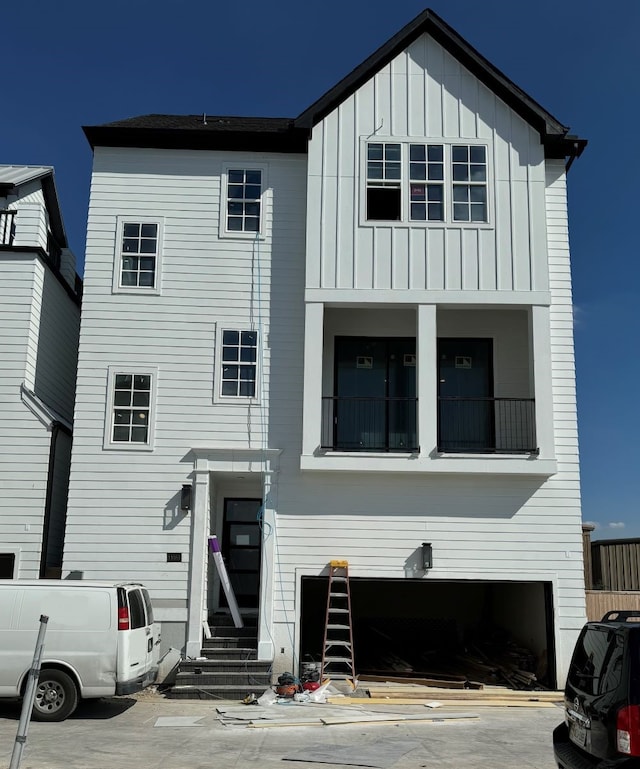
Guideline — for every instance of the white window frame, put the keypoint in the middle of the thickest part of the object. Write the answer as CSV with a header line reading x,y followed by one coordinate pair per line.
x,y
405,182
140,370
224,200
239,400
118,288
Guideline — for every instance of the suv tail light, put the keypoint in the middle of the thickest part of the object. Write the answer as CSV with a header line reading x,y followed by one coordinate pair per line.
x,y
628,730
123,618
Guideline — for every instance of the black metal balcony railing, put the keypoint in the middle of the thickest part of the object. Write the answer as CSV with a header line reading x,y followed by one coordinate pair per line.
x,y
487,425
369,424
465,425
7,227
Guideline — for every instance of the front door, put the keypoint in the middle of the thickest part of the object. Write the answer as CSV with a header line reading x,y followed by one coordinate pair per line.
x,y
465,395
241,543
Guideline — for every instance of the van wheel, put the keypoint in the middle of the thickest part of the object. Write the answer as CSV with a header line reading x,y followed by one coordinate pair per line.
x,y
56,696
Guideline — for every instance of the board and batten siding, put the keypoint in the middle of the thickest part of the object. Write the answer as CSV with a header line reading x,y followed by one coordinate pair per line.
x,y
426,94
124,505
481,527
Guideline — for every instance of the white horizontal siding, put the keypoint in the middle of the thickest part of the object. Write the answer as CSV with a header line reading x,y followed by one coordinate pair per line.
x,y
425,94
129,500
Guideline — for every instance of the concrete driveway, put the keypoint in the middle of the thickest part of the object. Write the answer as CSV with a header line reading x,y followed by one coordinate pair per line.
x,y
121,733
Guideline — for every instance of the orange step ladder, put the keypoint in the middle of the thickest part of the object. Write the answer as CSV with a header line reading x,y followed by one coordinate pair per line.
x,y
337,648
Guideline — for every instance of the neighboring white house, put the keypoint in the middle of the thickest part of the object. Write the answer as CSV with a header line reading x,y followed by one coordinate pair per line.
x,y
39,326
347,334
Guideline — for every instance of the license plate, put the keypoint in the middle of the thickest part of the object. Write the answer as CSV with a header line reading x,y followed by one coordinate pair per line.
x,y
578,733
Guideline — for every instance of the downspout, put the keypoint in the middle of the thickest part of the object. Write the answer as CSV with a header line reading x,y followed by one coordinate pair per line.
x,y
56,427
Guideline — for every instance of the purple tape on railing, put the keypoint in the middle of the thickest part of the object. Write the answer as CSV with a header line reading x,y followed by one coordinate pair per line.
x,y
213,545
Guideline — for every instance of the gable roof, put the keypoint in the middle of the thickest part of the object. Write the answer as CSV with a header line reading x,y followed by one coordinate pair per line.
x,y
12,177
553,134
290,134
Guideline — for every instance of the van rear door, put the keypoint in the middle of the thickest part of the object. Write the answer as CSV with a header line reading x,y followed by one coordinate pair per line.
x,y
135,641
155,629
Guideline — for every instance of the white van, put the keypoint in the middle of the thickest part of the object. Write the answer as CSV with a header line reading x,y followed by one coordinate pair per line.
x,y
101,640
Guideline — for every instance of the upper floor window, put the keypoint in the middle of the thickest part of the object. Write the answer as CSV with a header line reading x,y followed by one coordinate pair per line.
x,y
131,399
244,193
384,181
469,175
239,364
138,256
426,182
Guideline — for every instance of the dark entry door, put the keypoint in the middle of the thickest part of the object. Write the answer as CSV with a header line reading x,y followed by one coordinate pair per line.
x,y
7,565
241,542
375,389
465,395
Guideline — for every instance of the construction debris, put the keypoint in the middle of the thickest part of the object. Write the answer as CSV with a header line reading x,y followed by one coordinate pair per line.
x,y
443,658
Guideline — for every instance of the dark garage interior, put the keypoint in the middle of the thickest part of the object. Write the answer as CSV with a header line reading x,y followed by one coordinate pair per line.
x,y
442,629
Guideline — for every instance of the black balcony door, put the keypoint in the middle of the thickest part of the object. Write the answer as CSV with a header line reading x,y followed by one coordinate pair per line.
x,y
465,395
375,389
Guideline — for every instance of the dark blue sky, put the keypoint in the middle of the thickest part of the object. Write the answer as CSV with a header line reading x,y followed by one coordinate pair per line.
x,y
71,63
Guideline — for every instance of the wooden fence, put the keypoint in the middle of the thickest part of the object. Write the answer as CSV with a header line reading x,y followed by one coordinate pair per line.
x,y
599,602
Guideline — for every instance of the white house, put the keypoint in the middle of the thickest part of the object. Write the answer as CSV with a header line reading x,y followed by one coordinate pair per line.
x,y
347,334
39,326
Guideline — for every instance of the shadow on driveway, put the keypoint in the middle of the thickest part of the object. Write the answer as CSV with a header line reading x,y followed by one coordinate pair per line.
x,y
89,710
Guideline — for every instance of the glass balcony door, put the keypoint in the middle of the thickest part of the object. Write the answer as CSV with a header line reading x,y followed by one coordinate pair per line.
x,y
375,394
466,418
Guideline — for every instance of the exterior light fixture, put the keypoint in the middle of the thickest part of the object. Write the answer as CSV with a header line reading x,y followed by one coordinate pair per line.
x,y
185,498
427,555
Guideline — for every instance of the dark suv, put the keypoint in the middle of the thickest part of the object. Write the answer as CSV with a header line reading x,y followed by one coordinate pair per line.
x,y
602,697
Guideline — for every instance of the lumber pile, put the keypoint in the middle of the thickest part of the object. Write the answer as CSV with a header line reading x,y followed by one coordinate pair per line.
x,y
414,694
487,658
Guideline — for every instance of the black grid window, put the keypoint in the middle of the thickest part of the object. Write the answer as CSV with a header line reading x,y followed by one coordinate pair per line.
x,y
239,363
244,190
131,408
139,256
384,178
469,177
426,182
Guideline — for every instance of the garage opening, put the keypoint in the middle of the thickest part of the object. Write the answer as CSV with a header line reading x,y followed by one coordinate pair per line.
x,y
482,632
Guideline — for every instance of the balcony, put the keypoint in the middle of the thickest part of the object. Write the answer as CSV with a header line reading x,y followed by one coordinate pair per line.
x,y
369,424
442,390
465,425
7,227
486,425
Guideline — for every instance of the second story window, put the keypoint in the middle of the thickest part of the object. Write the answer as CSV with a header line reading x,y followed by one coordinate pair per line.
x,y
469,174
410,182
384,181
130,412
426,182
244,193
239,364
139,255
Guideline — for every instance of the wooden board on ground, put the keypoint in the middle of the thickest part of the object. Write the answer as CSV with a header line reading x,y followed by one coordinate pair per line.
x,y
464,694
487,703
363,679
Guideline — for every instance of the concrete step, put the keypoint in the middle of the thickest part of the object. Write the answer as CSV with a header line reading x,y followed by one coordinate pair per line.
x,y
229,631
213,680
230,653
230,642
225,664
215,694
